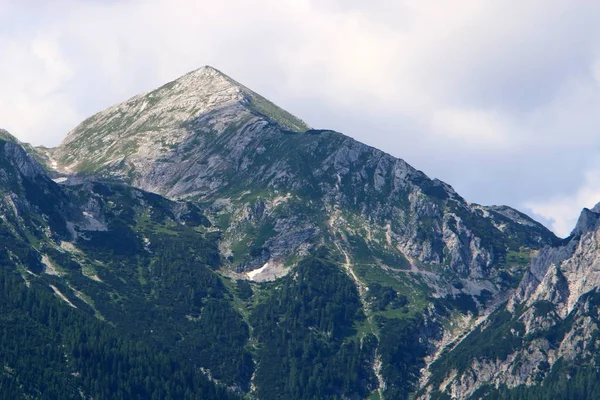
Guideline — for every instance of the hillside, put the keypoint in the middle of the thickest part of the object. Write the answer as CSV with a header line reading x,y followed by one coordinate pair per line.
x,y
281,261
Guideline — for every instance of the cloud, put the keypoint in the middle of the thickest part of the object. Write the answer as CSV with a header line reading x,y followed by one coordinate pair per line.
x,y
31,101
476,128
562,211
500,99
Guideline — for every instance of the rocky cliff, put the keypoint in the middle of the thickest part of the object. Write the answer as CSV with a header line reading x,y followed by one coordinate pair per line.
x,y
548,330
270,181
408,267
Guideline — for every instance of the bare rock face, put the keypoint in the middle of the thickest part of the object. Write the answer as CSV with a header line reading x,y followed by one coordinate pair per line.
x,y
16,156
270,191
563,274
277,190
129,138
208,139
551,317
28,197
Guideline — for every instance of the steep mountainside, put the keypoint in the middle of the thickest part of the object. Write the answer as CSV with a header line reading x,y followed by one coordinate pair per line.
x,y
56,291
266,178
282,261
122,284
129,138
423,260
545,342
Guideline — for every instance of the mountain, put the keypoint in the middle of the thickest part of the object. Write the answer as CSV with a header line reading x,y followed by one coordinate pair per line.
x,y
544,343
127,139
57,296
7,137
208,139
124,285
263,257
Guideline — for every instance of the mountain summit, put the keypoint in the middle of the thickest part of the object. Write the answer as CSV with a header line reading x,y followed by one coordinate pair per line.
x,y
207,138
376,253
150,125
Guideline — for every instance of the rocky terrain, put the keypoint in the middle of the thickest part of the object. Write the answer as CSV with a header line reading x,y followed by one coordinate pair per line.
x,y
548,330
287,188
291,262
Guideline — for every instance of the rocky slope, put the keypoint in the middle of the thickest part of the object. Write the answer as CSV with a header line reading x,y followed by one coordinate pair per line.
x,y
547,331
272,182
386,266
277,191
129,139
72,256
103,271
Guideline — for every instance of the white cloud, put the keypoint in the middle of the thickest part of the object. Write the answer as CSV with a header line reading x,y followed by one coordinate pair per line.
x,y
509,85
31,101
562,211
473,128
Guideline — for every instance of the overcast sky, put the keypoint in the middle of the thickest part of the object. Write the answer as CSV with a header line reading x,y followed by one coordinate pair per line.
x,y
501,99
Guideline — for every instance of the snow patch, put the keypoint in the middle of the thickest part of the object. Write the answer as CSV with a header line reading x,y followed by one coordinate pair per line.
x,y
253,274
268,272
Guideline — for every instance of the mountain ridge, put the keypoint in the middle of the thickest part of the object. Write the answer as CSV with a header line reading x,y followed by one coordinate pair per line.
x,y
207,155
549,329
199,92
262,208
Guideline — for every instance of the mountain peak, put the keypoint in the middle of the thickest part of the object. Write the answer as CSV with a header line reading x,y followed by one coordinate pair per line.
x,y
205,86
205,96
587,221
207,70
216,89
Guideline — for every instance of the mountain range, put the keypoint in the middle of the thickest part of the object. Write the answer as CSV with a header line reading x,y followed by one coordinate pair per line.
x,y
198,241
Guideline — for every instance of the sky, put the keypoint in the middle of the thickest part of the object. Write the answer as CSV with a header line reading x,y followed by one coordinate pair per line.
x,y
500,99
